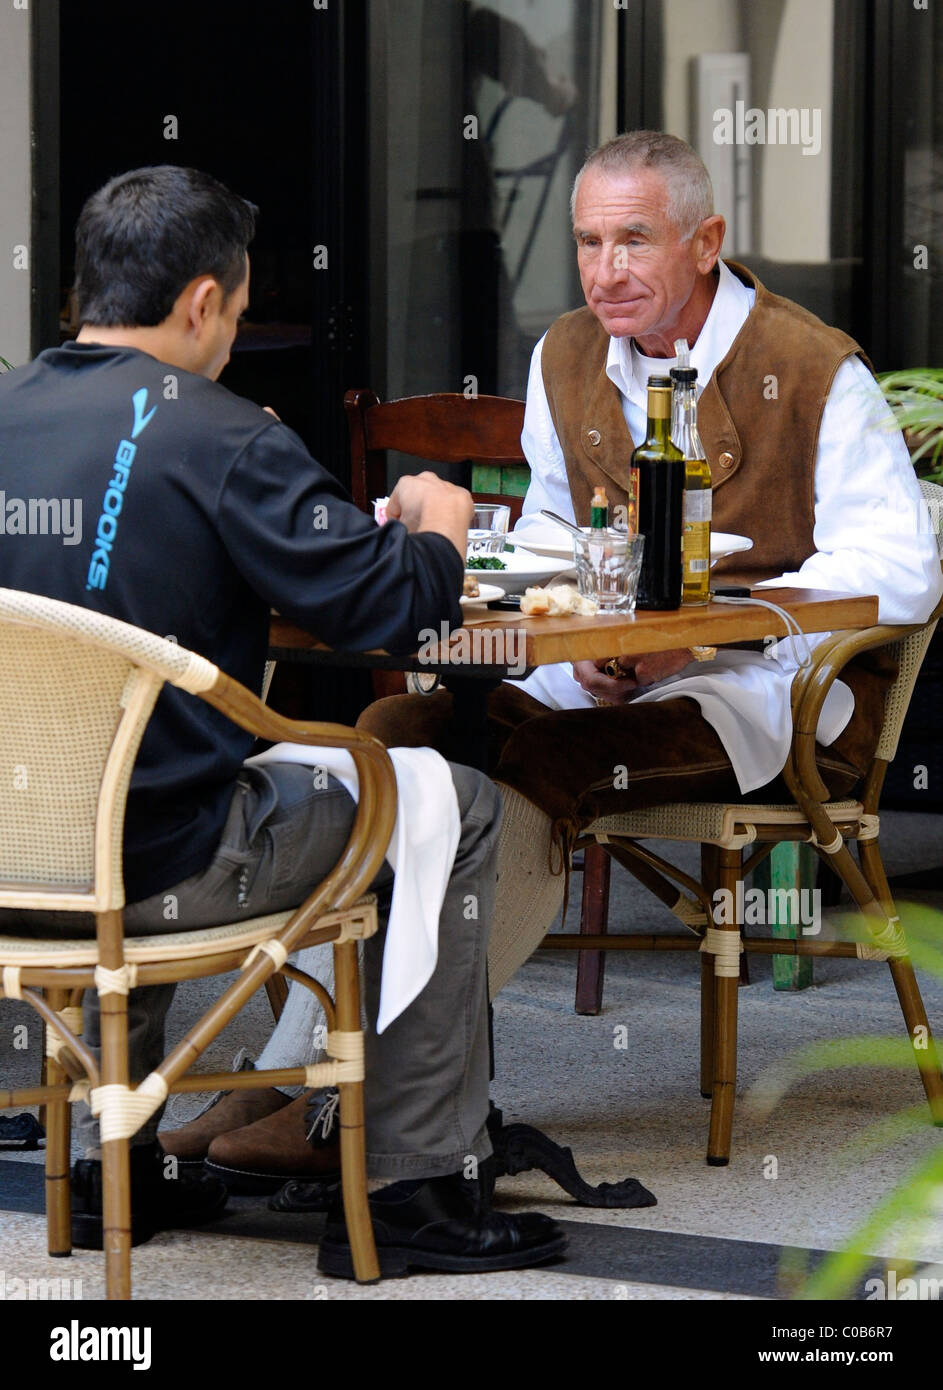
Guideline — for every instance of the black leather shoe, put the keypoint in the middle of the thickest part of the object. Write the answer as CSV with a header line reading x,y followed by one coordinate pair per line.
x,y
441,1224
158,1202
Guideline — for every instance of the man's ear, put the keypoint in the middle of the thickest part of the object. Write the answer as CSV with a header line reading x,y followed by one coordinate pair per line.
x,y
708,240
198,302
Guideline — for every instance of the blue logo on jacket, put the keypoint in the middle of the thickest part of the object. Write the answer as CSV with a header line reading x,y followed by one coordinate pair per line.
x,y
113,501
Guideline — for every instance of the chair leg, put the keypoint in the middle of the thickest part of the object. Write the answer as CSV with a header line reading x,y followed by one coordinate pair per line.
x,y
708,993
708,1004
594,916
908,991
353,1146
724,1080
918,1029
276,987
116,1172
58,1125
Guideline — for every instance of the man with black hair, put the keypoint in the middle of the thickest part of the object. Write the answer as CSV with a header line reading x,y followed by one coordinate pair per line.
x,y
203,512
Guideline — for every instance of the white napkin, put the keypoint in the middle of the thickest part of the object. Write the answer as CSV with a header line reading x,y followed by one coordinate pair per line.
x,y
421,853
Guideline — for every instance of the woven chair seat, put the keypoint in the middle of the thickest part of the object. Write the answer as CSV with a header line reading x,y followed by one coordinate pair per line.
x,y
713,822
233,936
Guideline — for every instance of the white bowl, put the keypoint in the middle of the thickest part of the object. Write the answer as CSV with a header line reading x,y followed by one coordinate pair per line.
x,y
553,543
523,569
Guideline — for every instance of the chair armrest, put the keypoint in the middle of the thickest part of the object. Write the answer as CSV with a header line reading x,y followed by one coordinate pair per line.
x,y
811,687
376,808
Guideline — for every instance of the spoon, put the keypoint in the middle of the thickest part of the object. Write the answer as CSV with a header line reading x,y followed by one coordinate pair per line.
x,y
581,535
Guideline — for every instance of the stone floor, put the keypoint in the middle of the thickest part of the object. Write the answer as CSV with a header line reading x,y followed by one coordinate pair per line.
x,y
621,1089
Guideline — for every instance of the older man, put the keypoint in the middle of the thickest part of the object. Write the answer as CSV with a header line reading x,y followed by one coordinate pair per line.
x,y
804,459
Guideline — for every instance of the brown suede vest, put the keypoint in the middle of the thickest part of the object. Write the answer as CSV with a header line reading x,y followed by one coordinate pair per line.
x,y
759,419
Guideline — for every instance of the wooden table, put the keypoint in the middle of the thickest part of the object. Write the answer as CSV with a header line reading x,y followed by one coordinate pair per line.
x,y
544,641
493,644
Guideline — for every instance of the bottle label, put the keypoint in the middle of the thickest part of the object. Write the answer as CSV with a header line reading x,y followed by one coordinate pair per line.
x,y
696,547
697,505
631,511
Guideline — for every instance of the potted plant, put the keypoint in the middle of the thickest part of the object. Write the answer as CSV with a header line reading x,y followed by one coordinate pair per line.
x,y
915,395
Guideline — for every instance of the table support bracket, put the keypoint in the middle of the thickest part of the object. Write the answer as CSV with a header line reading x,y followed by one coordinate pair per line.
x,y
521,1148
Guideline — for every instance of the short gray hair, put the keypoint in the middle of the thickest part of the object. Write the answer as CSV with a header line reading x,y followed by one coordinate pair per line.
x,y
690,193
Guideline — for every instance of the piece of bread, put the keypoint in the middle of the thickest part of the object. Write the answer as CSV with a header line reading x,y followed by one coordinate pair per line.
x,y
555,602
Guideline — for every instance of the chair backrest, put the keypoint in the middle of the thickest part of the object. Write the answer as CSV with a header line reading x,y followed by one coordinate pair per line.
x,y
76,692
449,428
911,650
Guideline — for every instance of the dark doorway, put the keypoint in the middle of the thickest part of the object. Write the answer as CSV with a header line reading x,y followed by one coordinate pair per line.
x,y
246,92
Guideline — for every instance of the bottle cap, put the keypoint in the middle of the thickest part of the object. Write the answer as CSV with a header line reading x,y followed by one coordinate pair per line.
x,y
684,375
659,382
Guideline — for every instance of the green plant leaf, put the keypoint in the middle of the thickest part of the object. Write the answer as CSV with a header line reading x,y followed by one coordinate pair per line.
x,y
915,395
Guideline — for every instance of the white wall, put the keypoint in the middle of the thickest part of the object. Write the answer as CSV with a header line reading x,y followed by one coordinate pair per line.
x,y
707,26
14,180
795,188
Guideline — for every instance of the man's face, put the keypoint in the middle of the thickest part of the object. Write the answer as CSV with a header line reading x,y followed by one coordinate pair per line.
x,y
223,327
636,272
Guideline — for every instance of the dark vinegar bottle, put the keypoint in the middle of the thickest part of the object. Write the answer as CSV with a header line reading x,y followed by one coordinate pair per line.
x,y
659,468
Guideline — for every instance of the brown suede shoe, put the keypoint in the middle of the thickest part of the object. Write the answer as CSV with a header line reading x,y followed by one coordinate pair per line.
x,y
264,1155
233,1110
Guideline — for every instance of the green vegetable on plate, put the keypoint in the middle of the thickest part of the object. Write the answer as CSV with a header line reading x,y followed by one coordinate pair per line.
x,y
485,562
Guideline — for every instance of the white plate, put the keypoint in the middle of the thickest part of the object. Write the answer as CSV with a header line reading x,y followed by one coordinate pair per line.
x,y
486,592
726,543
547,544
523,569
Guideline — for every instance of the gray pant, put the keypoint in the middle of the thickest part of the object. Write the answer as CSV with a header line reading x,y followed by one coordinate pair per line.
x,y
426,1088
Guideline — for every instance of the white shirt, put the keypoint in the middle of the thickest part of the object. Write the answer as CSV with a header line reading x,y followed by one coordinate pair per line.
x,y
872,535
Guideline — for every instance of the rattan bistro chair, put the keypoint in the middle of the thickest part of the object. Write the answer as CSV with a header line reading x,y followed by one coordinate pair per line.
x,y
724,831
76,692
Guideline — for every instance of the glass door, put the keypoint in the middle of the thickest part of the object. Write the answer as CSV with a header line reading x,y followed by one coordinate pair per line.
x,y
480,116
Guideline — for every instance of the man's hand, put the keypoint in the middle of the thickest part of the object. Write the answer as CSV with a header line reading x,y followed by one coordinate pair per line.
x,y
614,690
653,667
639,671
426,502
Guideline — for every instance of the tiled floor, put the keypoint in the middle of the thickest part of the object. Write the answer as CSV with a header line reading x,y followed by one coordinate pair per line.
x,y
626,1110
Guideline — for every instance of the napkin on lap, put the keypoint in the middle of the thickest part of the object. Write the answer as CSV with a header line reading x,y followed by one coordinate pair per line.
x,y
421,853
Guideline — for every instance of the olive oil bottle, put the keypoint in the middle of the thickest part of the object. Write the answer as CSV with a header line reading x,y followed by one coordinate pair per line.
x,y
696,541
659,469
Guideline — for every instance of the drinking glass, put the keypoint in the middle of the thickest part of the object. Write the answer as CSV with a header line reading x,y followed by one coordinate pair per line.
x,y
607,568
488,528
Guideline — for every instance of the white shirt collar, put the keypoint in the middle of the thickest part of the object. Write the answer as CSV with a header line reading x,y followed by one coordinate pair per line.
x,y
732,303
